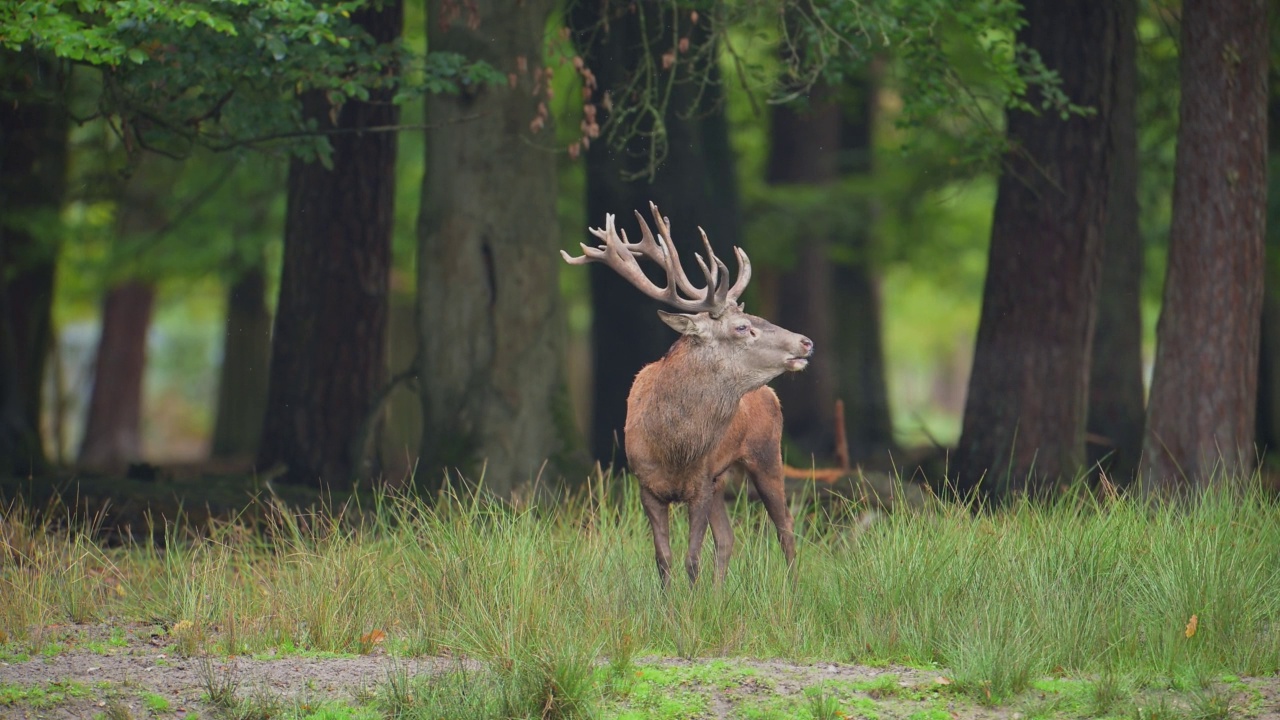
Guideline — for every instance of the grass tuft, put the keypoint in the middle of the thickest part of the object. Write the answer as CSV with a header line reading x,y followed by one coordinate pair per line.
x,y
221,684
116,709
822,704
155,703
1214,703
1109,693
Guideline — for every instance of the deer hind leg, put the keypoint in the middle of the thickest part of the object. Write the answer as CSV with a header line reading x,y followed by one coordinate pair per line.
x,y
766,476
722,533
659,523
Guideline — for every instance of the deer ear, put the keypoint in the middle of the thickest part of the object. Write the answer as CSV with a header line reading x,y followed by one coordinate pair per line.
x,y
681,323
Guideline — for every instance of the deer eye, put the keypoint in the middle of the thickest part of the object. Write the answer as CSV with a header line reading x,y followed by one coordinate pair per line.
x,y
742,329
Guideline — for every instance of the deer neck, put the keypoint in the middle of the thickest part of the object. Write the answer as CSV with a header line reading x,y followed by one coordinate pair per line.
x,y
693,399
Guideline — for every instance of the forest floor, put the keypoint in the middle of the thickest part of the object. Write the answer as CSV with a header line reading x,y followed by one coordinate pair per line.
x,y
116,671
1089,606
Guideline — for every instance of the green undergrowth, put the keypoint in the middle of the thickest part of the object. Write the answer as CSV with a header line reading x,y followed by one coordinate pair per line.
x,y
996,601
41,697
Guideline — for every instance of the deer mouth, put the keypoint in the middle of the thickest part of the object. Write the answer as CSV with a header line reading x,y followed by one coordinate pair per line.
x,y
795,364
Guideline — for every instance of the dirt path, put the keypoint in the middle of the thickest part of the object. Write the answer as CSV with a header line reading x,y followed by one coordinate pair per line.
x,y
133,672
128,676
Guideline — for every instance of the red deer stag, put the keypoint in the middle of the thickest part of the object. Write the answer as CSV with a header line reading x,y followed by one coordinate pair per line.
x,y
703,410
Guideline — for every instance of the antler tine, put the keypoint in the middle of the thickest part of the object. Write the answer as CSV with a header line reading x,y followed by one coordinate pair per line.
x,y
662,250
722,290
615,252
717,274
712,271
648,246
671,260
594,254
744,275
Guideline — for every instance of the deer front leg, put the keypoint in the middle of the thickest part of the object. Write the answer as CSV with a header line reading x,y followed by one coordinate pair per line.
x,y
659,524
722,533
699,517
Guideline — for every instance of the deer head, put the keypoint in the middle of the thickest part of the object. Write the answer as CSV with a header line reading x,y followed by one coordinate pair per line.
x,y
748,348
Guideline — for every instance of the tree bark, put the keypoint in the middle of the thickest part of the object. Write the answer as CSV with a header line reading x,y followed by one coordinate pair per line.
x,y
1024,420
862,380
1267,418
859,344
1116,397
33,162
242,378
1268,414
804,145
694,186
491,324
113,429
1203,391
329,345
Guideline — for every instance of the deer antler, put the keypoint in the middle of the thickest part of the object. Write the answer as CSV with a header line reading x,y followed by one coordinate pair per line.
x,y
621,255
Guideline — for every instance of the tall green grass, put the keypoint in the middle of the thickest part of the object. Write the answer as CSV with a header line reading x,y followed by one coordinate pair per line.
x,y
997,599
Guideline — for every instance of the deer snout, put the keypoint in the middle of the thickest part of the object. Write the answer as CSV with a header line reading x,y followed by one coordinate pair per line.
x,y
801,360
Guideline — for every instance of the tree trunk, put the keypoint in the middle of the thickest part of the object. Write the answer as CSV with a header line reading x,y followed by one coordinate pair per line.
x,y
491,325
859,343
862,381
804,147
329,345
1267,420
242,379
1116,398
1024,420
1268,414
113,429
694,186
1203,392
33,162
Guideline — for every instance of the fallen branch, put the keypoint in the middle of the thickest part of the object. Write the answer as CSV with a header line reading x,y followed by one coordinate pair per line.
x,y
828,475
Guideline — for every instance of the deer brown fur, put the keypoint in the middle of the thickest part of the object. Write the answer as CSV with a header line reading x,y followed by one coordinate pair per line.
x,y
704,410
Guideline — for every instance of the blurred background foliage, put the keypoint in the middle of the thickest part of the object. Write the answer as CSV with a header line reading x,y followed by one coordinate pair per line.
x,y
940,73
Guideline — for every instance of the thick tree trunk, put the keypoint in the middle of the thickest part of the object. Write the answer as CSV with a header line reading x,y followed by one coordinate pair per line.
x,y
33,161
804,145
1267,420
1116,398
1024,420
859,343
694,186
242,379
399,431
329,345
1268,414
1203,392
491,325
113,429
859,337
32,182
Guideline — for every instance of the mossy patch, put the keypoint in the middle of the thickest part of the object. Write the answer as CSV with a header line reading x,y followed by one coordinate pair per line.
x,y
42,697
